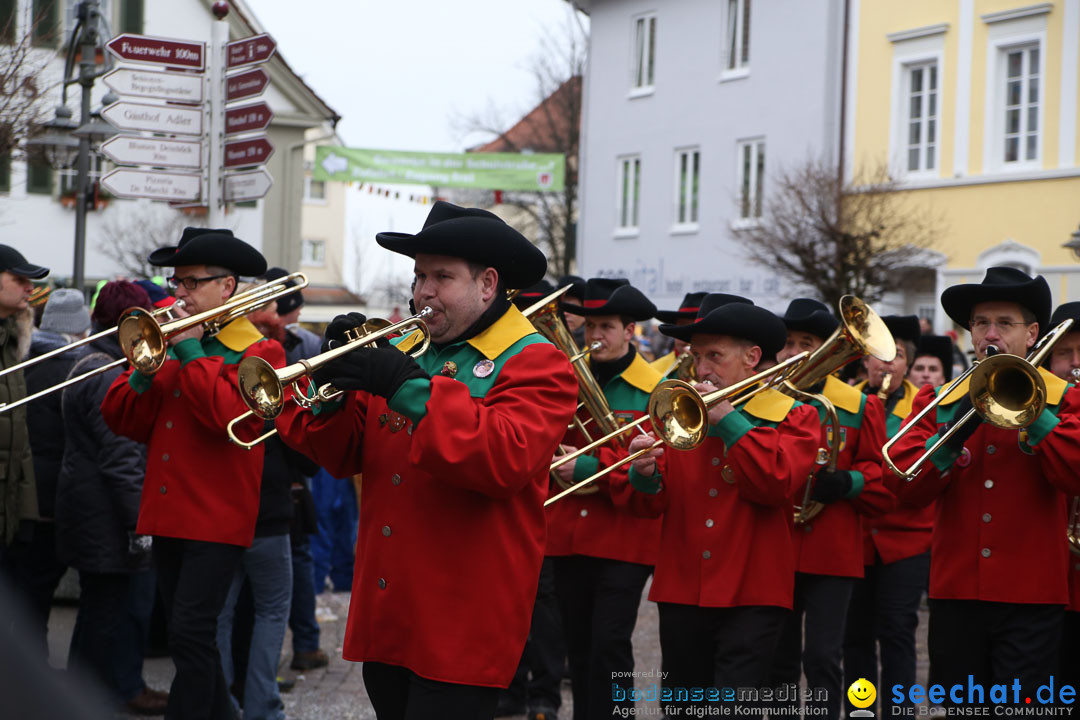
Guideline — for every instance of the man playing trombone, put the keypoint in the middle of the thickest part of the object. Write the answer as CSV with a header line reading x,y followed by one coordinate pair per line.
x,y
725,571
603,554
997,586
828,548
201,494
454,446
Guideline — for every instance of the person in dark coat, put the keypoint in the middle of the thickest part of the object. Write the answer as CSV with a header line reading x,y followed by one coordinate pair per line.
x,y
97,504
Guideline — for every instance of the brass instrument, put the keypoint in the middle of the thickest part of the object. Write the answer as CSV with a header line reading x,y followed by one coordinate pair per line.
x,y
544,315
683,367
1005,390
1072,530
883,391
1074,376
164,312
145,340
263,386
680,415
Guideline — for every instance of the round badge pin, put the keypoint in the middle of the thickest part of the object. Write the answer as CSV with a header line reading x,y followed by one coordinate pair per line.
x,y
483,368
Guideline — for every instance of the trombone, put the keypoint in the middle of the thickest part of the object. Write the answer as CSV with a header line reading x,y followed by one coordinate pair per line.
x,y
680,415
1005,390
263,386
163,312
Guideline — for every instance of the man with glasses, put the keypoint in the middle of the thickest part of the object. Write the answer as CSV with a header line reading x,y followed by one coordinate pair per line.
x,y
997,590
201,494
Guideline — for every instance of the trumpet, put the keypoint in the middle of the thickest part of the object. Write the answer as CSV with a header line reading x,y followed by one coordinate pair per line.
x,y
680,415
145,340
1005,390
164,312
1074,376
683,367
262,386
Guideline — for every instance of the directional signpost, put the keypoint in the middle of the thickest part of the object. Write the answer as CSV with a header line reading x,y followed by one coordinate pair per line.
x,y
136,183
249,51
157,152
246,84
240,153
247,185
173,119
157,84
247,118
159,51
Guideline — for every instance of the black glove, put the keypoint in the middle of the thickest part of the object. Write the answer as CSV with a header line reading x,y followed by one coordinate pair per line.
x,y
956,442
335,331
831,486
379,371
138,545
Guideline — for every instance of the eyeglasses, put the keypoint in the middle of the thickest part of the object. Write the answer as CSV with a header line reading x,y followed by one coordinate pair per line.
x,y
190,283
983,324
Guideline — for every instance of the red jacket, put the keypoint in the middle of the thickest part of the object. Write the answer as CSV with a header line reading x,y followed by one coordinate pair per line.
x,y
726,534
452,528
599,524
998,532
831,543
198,485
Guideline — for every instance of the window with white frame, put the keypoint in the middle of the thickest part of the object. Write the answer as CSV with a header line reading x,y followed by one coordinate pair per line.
x,y
314,190
687,176
313,252
751,178
629,186
1020,136
922,127
644,51
737,55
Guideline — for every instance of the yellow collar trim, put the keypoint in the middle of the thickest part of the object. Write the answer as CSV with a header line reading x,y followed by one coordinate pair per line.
x,y
1055,389
664,364
842,395
642,375
770,405
239,335
903,406
491,343
408,342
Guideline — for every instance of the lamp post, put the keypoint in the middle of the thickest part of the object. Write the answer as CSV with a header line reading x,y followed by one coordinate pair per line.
x,y
1074,243
62,142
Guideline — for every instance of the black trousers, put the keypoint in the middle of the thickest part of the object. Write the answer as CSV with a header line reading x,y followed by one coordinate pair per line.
x,y
535,686
99,627
398,693
194,579
716,647
599,601
1069,655
35,572
995,643
817,649
884,613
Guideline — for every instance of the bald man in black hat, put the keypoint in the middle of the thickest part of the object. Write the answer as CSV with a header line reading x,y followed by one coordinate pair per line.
x,y
200,498
454,447
678,362
997,590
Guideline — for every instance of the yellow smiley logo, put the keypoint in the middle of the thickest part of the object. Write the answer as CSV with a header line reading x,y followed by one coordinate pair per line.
x,y
862,693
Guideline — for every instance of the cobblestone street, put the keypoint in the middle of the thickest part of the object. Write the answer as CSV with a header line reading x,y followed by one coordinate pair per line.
x,y
337,692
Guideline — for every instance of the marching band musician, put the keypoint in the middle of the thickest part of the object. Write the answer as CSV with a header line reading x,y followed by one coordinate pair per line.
x,y
724,570
1065,363
200,521
997,590
884,608
454,447
828,548
687,313
933,361
603,554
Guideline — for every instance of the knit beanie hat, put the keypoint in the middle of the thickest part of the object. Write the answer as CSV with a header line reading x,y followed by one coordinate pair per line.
x,y
116,297
65,312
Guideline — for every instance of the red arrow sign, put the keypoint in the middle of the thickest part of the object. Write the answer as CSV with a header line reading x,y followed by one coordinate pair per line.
x,y
247,118
248,152
159,51
251,50
246,84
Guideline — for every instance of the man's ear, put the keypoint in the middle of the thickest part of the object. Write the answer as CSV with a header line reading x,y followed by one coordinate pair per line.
x,y
228,286
489,283
629,330
752,356
1033,335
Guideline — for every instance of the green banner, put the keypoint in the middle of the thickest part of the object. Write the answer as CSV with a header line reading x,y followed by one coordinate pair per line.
x,y
540,172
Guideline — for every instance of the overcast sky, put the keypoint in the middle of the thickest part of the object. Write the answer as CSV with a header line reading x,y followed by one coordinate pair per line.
x,y
398,72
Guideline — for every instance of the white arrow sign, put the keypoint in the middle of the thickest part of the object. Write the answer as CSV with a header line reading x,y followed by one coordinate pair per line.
x,y
155,118
133,183
247,185
334,164
178,87
159,152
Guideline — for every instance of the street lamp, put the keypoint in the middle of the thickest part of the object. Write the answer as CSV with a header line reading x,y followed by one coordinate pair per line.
x,y
1074,243
63,142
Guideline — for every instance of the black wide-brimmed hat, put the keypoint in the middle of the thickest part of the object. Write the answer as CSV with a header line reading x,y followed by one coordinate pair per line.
x,y
939,346
477,236
286,303
903,327
206,246
612,296
688,309
736,319
531,294
577,286
1003,284
710,302
810,316
13,261
1063,313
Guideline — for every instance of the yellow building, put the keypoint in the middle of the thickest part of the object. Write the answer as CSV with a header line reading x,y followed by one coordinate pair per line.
x,y
973,103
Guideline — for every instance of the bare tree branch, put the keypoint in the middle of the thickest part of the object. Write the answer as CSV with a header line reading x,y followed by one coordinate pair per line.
x,y
130,233
23,85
